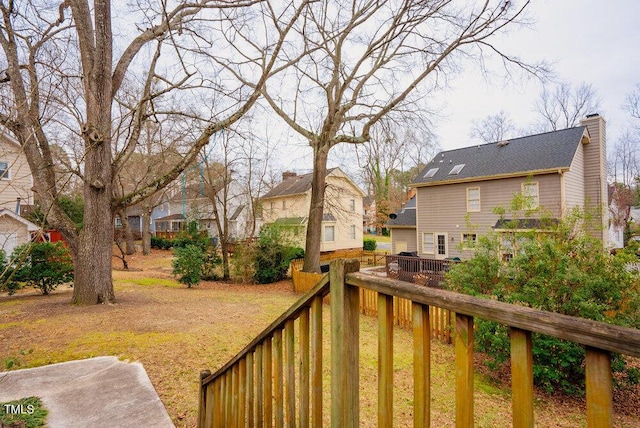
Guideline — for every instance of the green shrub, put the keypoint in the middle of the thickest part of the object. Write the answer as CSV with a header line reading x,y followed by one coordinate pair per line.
x,y
43,265
564,270
369,245
243,261
211,263
272,256
188,264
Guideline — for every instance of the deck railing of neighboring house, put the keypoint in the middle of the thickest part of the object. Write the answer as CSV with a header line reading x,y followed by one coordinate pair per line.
x,y
259,386
419,270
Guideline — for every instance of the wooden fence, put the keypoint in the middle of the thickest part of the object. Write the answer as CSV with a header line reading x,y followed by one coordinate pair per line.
x,y
440,318
267,383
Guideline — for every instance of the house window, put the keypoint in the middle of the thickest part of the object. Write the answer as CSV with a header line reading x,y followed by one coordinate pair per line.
x,y
4,170
271,207
329,233
442,245
427,243
352,231
469,240
118,223
473,199
352,205
284,205
531,195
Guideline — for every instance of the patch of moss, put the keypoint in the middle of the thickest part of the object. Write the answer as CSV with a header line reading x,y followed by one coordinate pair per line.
x,y
9,325
157,282
125,345
29,410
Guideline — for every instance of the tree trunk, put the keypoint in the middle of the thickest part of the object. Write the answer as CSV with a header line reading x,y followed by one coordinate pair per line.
x,y
128,237
225,262
92,261
316,211
146,232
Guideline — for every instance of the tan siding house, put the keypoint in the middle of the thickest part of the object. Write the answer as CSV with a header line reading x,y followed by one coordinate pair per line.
x,y
15,176
288,205
458,191
14,231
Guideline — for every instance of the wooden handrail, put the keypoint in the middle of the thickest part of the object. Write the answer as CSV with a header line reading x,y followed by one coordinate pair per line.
x,y
600,335
320,290
264,373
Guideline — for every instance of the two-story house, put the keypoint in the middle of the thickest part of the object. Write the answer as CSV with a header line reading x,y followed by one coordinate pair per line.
x,y
288,204
15,192
554,172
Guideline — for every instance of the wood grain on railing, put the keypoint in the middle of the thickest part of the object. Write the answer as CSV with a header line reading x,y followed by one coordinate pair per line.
x,y
268,363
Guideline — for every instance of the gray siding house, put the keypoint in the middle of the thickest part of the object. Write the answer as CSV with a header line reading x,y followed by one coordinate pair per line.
x,y
459,189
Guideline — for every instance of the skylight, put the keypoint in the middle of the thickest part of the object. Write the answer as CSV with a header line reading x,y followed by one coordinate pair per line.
x,y
456,169
431,172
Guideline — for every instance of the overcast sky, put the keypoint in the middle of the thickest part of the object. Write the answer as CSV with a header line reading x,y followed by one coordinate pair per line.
x,y
584,40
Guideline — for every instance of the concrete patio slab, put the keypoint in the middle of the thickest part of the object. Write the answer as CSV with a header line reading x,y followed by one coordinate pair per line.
x,y
96,392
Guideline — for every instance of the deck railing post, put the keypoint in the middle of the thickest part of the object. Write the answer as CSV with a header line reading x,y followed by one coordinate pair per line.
x,y
202,406
522,378
599,388
464,371
345,342
421,366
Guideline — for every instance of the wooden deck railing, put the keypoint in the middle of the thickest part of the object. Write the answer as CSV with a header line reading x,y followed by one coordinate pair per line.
x,y
259,386
419,270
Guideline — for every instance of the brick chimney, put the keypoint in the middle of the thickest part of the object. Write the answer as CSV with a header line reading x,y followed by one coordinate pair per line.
x,y
595,172
288,174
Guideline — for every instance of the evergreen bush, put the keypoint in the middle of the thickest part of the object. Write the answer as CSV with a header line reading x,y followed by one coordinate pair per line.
x,y
369,245
272,256
43,265
564,270
188,264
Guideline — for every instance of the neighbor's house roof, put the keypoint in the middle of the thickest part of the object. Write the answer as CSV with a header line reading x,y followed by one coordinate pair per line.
x,y
300,184
171,217
406,217
525,224
547,152
31,227
290,221
299,221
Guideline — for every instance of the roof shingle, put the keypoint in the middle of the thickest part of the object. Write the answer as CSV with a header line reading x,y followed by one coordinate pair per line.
x,y
547,151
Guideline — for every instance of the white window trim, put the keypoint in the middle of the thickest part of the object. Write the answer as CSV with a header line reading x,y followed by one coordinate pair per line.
x,y
433,243
7,176
464,242
469,210
352,232
324,234
527,198
446,244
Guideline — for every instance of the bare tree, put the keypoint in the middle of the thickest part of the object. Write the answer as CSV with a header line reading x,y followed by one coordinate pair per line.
x,y
61,70
393,149
493,128
632,102
562,106
625,168
354,64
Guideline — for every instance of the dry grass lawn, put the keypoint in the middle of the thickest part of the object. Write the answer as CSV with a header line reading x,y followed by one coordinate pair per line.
x,y
176,332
